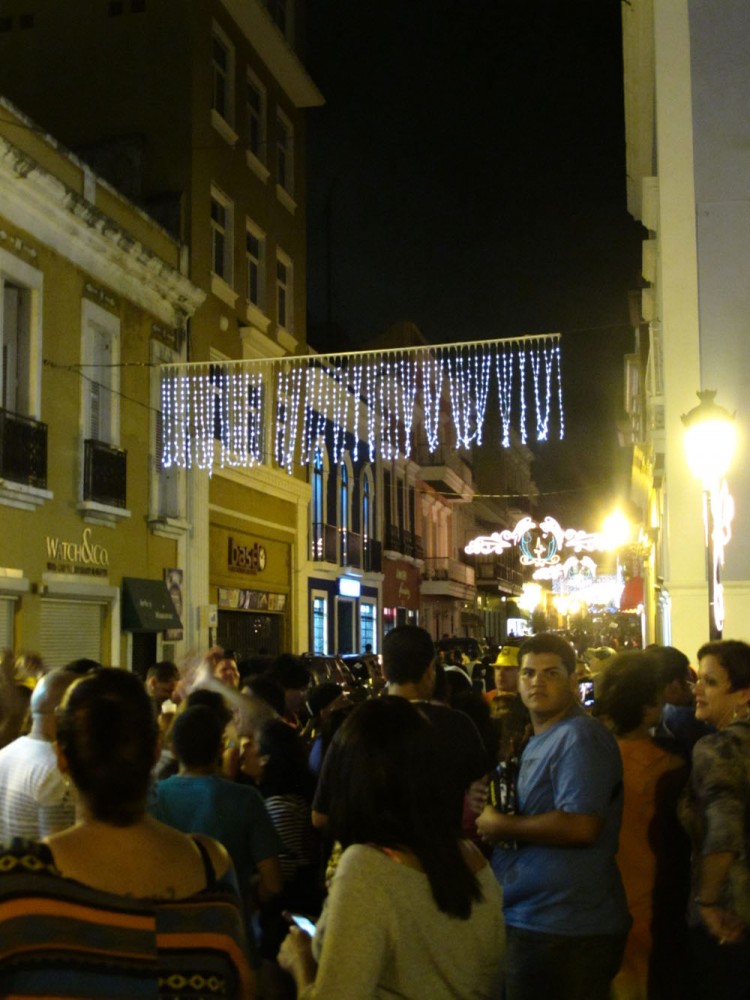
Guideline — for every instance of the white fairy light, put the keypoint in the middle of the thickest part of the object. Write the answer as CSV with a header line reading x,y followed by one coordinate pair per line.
x,y
309,415
408,398
371,389
356,403
558,368
432,388
504,365
293,420
280,429
522,386
482,377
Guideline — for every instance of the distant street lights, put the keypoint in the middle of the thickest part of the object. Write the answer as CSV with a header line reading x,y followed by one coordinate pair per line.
x,y
710,442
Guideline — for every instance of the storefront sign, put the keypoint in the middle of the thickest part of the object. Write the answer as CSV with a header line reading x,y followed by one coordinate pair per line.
x,y
349,586
245,558
400,585
85,557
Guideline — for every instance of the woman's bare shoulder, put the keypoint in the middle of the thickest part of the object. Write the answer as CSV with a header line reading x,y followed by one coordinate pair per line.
x,y
217,853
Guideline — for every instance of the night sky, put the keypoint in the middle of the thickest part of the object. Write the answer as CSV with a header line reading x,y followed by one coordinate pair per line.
x,y
467,174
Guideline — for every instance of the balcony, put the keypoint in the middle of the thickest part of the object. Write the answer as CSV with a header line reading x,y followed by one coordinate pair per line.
x,y
447,472
104,474
324,542
404,542
23,450
23,462
496,572
446,577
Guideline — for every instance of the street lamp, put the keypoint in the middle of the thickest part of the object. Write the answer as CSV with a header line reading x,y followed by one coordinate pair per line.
x,y
710,442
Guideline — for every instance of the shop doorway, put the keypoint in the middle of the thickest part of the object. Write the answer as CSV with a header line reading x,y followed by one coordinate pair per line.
x,y
345,620
144,652
249,634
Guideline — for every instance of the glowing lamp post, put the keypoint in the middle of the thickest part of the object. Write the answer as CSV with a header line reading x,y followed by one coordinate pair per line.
x,y
710,442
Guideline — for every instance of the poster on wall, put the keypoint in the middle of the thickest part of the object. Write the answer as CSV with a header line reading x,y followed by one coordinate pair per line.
x,y
174,579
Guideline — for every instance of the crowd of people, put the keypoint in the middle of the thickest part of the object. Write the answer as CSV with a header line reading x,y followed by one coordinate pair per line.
x,y
209,830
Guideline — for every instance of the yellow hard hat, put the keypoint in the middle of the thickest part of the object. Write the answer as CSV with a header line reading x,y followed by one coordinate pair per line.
x,y
507,657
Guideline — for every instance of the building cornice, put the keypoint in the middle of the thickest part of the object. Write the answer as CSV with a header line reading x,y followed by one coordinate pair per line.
x,y
252,18
39,203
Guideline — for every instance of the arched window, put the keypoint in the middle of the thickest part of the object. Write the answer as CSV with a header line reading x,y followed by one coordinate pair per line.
x,y
317,526
344,511
366,509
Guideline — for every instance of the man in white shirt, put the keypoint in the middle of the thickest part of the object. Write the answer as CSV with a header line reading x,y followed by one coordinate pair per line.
x,y
34,798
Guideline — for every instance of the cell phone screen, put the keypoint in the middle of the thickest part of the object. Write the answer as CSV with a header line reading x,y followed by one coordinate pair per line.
x,y
304,923
586,689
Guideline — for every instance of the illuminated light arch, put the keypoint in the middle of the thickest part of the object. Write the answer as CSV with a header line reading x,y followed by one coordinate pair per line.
x,y
211,410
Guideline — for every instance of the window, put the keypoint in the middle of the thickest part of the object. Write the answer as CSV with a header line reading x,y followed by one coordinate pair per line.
x,y
344,512
319,623
101,384
284,314
15,337
317,505
367,615
366,524
255,256
221,235
222,69
284,153
256,118
20,336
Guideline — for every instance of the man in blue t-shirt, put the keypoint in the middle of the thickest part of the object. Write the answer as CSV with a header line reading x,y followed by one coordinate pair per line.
x,y
564,904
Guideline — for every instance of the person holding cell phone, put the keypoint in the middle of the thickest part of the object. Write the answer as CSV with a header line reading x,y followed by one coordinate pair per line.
x,y
412,910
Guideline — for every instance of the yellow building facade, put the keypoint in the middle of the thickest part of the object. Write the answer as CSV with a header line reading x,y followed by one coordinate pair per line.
x,y
91,298
196,110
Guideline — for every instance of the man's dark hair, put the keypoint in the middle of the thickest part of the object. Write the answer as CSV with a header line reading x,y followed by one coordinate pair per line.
x,y
671,664
408,650
548,642
163,671
213,700
290,672
734,656
196,736
268,689
287,771
628,686
83,666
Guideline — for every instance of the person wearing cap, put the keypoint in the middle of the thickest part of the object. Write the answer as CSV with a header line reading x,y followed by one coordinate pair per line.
x,y
506,679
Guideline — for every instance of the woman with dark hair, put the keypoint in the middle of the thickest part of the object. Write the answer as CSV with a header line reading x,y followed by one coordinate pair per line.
x,y
412,911
652,855
118,902
715,811
287,786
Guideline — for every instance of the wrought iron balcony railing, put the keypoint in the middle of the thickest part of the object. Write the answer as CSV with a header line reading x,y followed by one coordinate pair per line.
x,y
23,450
104,474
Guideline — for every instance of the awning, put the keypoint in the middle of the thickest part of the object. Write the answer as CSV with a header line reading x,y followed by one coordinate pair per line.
x,y
147,606
632,594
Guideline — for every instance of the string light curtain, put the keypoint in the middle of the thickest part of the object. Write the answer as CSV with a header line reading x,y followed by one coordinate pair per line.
x,y
219,413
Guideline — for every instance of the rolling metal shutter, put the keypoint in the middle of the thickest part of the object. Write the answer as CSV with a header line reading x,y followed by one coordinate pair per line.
x,y
70,630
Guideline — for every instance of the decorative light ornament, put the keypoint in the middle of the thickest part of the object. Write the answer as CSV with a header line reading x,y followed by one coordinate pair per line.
x,y
223,402
539,544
